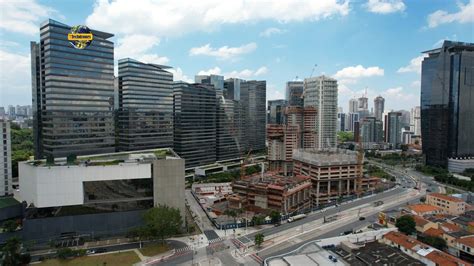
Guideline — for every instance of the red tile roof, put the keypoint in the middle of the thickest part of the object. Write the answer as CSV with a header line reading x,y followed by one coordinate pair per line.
x,y
423,208
446,197
467,241
449,227
434,232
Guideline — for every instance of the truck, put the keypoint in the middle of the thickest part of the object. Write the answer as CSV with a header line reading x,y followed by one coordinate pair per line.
x,y
296,217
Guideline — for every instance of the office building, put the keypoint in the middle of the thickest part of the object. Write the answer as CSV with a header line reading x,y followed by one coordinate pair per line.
x,y
333,173
145,112
11,112
379,107
352,119
415,121
99,194
5,159
3,114
276,111
371,132
73,92
341,122
232,89
363,103
215,80
253,98
405,118
447,102
195,123
227,129
321,93
393,129
294,93
353,106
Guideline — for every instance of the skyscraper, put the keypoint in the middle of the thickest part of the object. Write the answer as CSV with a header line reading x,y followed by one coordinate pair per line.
x,y
215,80
5,159
321,93
447,102
371,130
341,122
73,92
294,92
353,106
379,106
145,114
363,107
253,97
393,129
415,120
228,129
195,123
276,111
232,89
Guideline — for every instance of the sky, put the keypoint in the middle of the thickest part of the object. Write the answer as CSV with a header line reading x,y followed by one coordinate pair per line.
x,y
373,45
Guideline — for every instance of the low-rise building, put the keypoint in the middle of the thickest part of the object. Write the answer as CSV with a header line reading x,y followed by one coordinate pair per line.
x,y
271,192
448,204
465,247
423,209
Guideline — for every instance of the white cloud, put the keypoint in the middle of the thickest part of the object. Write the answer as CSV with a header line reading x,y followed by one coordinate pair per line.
x,y
385,6
178,75
138,47
24,16
15,81
413,66
273,93
355,72
224,52
271,31
171,17
398,99
464,15
416,84
243,74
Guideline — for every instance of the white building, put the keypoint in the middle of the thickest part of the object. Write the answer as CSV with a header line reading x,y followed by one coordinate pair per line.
x,y
5,159
353,106
321,93
107,182
415,125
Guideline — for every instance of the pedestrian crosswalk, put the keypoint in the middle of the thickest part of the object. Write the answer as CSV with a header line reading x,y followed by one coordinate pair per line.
x,y
182,250
216,240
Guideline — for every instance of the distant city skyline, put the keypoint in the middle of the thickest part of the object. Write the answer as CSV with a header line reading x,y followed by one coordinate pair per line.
x,y
279,44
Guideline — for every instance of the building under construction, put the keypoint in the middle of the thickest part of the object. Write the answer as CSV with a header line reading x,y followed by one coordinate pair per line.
x,y
299,131
271,192
333,173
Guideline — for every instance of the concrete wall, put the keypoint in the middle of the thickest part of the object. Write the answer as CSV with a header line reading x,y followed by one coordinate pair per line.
x,y
168,183
62,185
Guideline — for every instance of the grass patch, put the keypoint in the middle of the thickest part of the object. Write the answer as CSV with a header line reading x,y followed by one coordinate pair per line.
x,y
7,202
154,249
122,258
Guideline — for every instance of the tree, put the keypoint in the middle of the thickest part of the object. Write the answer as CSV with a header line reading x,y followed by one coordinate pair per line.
x,y
231,213
11,252
435,241
404,147
344,136
259,238
406,224
10,225
162,221
276,216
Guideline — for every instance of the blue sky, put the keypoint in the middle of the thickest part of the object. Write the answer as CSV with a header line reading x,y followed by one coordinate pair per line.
x,y
369,44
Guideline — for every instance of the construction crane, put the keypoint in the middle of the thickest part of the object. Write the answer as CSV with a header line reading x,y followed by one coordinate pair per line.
x,y
310,76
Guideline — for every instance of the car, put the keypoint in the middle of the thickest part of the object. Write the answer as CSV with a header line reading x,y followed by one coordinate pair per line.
x,y
361,218
100,250
90,251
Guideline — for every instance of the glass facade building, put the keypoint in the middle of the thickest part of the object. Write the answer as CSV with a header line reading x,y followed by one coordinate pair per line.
x,y
294,93
195,123
73,93
447,102
228,129
145,113
253,98
276,112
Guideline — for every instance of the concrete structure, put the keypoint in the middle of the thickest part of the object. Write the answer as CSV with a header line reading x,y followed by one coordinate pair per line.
x,y
465,247
294,93
228,129
420,251
415,121
253,97
341,122
333,173
458,165
447,102
393,129
379,107
73,93
195,123
448,204
353,106
271,192
321,93
5,159
353,118
370,131
276,111
145,111
106,182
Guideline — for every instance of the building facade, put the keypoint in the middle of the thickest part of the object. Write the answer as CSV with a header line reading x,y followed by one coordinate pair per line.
x,y
276,111
73,92
253,97
415,121
448,204
321,93
228,131
379,107
5,159
393,129
447,102
195,123
145,112
294,93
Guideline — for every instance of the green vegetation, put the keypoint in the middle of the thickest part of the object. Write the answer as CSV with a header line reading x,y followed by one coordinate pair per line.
x,y
434,241
66,253
259,238
161,222
121,258
430,170
105,163
443,176
7,202
276,216
373,170
469,172
258,220
230,176
406,224
10,225
11,253
22,146
344,136
154,249
395,158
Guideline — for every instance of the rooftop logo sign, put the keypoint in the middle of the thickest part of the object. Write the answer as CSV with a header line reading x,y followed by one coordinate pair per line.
x,y
80,37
